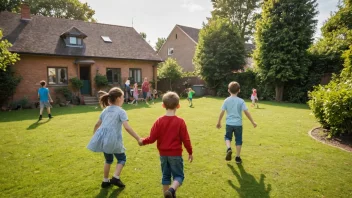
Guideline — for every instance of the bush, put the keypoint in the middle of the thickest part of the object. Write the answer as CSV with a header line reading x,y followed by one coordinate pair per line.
x,y
332,104
65,92
8,84
76,83
101,81
21,103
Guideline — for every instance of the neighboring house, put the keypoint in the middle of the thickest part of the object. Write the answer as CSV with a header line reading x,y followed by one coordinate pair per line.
x,y
55,50
181,45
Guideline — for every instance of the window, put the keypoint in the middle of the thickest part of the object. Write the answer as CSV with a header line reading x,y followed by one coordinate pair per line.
x,y
170,51
73,40
176,36
136,75
113,75
57,75
106,39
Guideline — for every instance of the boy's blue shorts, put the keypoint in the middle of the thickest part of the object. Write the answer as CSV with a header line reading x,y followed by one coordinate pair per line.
x,y
171,166
236,131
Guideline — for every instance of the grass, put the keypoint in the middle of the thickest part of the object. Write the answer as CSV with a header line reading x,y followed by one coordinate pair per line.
x,y
50,159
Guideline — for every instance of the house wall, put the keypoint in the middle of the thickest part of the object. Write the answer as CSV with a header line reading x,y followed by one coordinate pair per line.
x,y
184,49
33,69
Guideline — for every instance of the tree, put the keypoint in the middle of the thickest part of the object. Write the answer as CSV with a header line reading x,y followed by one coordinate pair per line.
x,y
284,32
10,5
240,12
144,35
220,51
6,57
170,69
159,43
68,9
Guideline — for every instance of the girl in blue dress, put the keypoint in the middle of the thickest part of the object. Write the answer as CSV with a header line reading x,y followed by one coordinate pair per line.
x,y
107,136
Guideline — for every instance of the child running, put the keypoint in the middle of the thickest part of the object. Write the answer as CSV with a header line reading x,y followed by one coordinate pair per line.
x,y
190,96
44,98
150,93
107,136
170,132
234,106
254,98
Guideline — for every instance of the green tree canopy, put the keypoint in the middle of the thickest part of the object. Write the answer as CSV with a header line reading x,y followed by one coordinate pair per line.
x,y
284,32
240,12
220,51
68,9
6,57
170,69
159,43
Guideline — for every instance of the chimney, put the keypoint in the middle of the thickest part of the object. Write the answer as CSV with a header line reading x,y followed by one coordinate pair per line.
x,y
25,12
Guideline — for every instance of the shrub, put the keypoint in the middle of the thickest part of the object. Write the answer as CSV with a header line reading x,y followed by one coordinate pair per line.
x,y
65,92
101,81
76,83
8,84
332,104
21,103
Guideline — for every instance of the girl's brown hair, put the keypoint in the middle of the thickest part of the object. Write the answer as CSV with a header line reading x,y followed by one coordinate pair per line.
x,y
106,98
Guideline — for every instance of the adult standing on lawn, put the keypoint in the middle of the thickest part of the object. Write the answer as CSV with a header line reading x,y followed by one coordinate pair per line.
x,y
145,88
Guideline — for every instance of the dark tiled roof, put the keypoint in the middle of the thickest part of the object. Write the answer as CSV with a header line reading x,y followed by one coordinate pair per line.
x,y
191,32
41,35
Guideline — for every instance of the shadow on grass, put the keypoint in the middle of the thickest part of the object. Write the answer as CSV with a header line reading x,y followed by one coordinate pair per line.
x,y
37,124
249,186
104,193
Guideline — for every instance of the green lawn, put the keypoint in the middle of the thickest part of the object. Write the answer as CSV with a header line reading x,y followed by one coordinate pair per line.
x,y
50,159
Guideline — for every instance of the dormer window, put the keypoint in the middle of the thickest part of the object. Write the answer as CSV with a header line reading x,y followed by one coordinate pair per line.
x,y
73,37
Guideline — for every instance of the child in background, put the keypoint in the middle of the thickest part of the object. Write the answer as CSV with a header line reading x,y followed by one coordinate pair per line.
x,y
44,98
170,131
107,136
234,106
135,94
254,98
190,96
150,93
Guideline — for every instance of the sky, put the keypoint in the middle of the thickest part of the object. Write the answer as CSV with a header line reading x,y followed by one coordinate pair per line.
x,y
158,17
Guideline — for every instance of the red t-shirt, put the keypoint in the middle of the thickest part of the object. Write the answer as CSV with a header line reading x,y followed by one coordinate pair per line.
x,y
145,87
254,92
170,132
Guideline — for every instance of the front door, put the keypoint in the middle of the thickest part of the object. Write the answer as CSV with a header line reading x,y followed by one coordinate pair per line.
x,y
85,77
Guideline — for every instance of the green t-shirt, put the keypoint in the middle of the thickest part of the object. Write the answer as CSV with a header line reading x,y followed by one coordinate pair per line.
x,y
190,94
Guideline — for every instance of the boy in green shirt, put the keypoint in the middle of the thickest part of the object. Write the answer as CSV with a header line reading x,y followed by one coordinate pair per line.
x,y
190,96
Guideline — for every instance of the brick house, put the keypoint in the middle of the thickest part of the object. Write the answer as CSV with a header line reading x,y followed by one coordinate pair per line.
x,y
56,50
181,45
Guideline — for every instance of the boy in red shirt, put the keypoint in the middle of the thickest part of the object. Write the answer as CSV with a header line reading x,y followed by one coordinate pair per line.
x,y
170,132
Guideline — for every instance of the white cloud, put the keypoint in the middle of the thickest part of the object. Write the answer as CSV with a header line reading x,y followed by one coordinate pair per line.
x,y
191,6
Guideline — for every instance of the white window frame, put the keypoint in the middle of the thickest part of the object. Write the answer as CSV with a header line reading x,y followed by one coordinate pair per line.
x,y
170,51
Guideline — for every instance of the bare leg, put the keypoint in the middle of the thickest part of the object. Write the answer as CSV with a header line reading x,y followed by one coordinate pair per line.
x,y
106,170
118,169
175,185
228,143
165,188
238,150
48,110
41,111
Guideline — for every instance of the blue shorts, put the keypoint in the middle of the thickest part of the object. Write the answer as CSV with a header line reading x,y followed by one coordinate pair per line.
x,y
145,95
121,158
236,131
171,166
190,99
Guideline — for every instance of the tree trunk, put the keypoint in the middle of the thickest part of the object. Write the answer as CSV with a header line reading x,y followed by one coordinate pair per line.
x,y
279,90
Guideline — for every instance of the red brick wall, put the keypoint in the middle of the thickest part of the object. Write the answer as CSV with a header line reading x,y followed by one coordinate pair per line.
x,y
184,49
33,69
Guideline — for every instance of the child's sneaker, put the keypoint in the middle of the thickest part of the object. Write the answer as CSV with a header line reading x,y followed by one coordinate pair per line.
x,y
40,117
238,160
170,193
228,155
117,182
105,184
50,116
